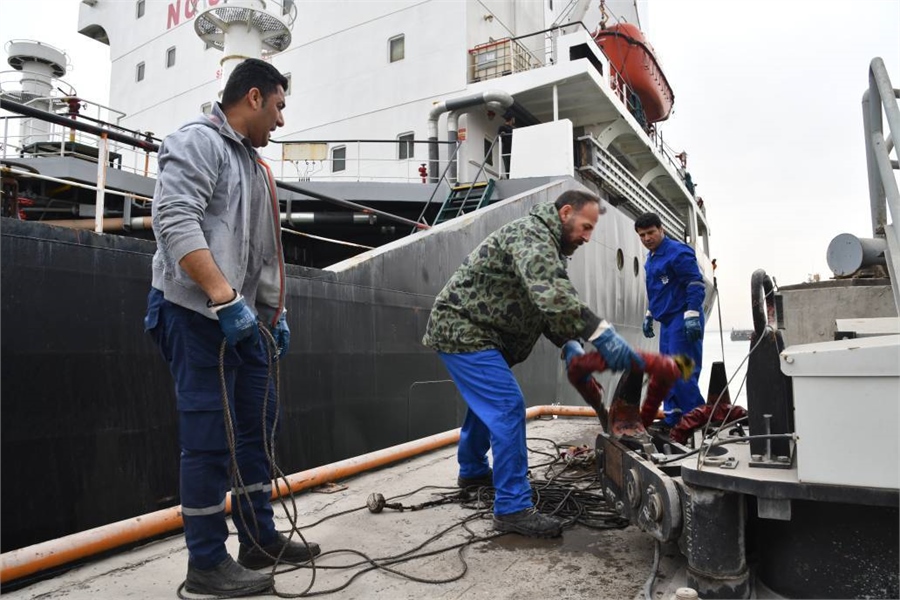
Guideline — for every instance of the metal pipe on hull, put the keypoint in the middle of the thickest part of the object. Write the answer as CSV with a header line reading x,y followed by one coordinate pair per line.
x,y
109,224
496,96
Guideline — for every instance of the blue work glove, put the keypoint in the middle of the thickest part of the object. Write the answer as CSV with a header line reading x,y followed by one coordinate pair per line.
x,y
570,350
237,321
282,335
616,351
648,327
693,331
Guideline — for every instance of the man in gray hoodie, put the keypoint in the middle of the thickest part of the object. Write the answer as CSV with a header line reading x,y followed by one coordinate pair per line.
x,y
218,278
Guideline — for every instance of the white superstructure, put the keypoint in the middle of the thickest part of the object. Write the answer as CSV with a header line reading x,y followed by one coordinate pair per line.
x,y
366,78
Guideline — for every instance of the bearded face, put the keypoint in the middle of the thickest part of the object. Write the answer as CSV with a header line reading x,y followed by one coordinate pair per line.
x,y
577,226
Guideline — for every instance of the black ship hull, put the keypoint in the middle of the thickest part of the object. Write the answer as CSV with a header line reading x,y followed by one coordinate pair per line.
x,y
88,406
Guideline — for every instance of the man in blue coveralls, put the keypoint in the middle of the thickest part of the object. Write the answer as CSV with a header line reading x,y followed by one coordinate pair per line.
x,y
675,293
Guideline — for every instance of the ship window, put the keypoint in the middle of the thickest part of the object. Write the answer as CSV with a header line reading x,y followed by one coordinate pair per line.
x,y
620,259
338,159
637,267
489,152
407,147
287,92
397,48
206,108
139,75
170,57
140,8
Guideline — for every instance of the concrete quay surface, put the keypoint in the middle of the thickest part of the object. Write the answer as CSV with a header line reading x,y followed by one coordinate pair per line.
x,y
584,563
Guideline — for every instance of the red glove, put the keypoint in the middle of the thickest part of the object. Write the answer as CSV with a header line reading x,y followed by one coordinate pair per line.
x,y
701,415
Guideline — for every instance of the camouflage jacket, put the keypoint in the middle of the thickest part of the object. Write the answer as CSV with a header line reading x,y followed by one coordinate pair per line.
x,y
512,288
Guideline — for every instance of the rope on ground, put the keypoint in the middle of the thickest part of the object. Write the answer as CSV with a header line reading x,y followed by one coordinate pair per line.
x,y
568,491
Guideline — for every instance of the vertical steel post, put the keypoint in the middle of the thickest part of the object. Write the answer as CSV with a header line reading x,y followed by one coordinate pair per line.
x,y
713,541
102,163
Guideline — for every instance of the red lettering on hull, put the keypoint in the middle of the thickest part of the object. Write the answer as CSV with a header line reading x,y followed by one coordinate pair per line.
x,y
173,15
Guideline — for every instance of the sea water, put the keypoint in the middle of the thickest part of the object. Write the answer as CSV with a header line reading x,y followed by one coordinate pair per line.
x,y
718,347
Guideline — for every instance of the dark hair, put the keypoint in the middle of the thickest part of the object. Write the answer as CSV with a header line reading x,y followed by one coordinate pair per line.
x,y
252,73
648,219
577,199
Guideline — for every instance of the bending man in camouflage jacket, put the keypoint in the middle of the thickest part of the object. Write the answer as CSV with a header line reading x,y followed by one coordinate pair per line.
x,y
511,289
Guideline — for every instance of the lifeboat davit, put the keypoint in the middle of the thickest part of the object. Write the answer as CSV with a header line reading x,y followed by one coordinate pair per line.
x,y
631,55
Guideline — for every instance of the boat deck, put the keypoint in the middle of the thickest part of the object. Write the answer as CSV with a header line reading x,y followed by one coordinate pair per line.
x,y
584,563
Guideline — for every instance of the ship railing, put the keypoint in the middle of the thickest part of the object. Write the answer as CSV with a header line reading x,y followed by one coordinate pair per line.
x,y
61,133
143,143
511,55
30,137
599,163
880,102
403,160
288,10
60,99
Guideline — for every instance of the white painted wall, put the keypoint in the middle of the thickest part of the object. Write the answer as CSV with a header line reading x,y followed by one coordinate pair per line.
x,y
343,85
542,150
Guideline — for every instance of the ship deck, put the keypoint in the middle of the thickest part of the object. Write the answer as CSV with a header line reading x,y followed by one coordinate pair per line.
x,y
584,563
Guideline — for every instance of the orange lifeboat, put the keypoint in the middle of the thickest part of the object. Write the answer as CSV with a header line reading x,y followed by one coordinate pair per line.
x,y
633,59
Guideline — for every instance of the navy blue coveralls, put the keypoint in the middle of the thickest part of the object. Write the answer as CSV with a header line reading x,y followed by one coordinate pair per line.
x,y
675,285
190,344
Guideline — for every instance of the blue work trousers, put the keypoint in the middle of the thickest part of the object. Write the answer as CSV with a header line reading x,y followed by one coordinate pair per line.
x,y
685,395
190,343
495,420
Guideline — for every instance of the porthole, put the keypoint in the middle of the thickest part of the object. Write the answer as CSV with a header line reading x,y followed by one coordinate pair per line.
x,y
620,259
637,266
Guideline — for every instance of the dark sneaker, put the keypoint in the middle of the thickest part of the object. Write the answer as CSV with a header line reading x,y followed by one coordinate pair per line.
x,y
226,579
486,480
294,552
529,522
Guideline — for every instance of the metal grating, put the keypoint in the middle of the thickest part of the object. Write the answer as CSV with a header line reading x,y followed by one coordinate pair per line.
x,y
212,24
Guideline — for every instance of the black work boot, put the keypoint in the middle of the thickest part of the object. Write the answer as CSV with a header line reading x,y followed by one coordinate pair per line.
x,y
294,552
529,522
226,579
486,480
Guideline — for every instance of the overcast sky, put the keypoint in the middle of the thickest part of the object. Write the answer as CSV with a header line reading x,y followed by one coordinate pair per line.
x,y
767,106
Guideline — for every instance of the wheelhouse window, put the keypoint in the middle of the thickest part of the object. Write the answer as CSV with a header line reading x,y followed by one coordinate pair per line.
x,y
338,159
139,72
206,108
141,7
287,92
397,48
170,57
407,147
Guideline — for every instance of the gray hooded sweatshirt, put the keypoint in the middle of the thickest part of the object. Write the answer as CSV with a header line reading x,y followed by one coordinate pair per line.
x,y
204,198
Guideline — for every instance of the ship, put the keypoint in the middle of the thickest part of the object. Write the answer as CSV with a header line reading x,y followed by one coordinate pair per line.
x,y
389,173
797,500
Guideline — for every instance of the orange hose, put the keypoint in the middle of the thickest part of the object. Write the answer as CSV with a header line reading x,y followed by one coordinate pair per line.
x,y
53,553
